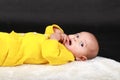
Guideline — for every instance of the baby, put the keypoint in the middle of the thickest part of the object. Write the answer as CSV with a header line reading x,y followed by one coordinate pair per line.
x,y
54,47
83,45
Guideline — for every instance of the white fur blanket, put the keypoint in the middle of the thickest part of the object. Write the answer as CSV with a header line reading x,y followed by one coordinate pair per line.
x,y
99,68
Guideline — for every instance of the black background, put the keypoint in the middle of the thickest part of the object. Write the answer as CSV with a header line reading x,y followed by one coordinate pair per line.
x,y
101,17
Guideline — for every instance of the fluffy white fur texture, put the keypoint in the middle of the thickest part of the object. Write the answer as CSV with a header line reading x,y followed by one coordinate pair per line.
x,y
99,68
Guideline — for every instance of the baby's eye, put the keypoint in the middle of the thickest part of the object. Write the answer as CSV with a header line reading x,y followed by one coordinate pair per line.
x,y
81,44
77,35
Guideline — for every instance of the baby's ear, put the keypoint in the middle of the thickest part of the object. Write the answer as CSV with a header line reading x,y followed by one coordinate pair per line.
x,y
81,58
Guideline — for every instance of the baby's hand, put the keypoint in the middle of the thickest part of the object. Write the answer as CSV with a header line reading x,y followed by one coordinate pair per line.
x,y
61,37
64,38
56,36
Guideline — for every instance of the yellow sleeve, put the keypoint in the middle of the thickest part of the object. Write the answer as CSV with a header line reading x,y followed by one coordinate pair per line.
x,y
55,53
49,29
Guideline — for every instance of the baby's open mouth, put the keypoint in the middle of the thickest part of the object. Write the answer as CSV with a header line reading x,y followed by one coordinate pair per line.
x,y
70,42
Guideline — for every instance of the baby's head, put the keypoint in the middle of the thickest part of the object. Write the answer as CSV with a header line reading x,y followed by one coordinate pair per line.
x,y
83,45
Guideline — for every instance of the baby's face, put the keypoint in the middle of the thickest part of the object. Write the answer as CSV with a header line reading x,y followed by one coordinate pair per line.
x,y
81,44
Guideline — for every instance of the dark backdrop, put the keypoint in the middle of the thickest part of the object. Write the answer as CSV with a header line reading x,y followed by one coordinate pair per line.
x,y
101,17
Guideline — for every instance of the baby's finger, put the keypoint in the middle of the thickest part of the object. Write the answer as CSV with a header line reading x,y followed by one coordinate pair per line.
x,y
66,39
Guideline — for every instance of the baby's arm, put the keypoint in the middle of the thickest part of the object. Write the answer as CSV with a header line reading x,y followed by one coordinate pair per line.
x,y
55,53
61,37
53,29
56,30
56,33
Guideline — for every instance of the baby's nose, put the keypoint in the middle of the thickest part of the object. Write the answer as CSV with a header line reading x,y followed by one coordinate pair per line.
x,y
73,38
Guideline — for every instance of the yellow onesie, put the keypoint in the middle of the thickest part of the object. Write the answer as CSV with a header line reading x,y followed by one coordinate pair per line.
x,y
32,48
